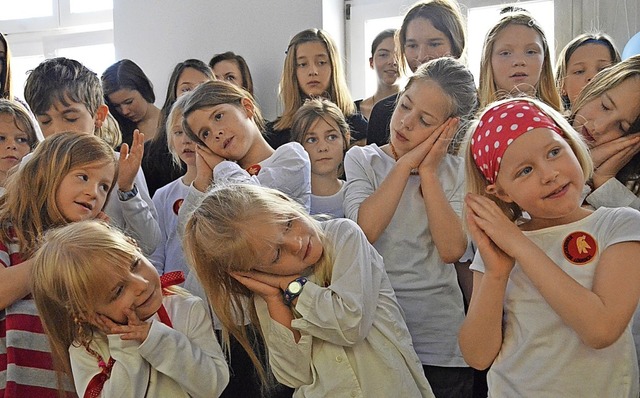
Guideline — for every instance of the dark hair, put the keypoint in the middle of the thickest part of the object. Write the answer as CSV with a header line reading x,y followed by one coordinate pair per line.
x,y
158,145
62,79
445,16
566,53
385,34
126,74
247,81
5,76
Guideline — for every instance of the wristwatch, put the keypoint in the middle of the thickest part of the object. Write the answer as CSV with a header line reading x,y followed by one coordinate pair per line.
x,y
124,196
294,289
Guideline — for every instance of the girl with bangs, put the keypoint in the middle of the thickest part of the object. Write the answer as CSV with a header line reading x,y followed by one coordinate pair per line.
x,y
118,327
317,290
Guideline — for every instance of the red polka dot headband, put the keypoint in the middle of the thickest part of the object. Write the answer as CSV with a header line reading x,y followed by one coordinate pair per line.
x,y
497,129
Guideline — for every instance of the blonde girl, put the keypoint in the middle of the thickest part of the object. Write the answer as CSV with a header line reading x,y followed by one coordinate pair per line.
x,y
430,29
321,129
67,179
515,60
115,325
317,290
607,115
384,63
580,60
407,198
553,293
313,68
17,136
168,256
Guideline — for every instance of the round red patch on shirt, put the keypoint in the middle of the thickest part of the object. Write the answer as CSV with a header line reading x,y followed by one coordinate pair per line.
x,y
254,170
579,248
176,205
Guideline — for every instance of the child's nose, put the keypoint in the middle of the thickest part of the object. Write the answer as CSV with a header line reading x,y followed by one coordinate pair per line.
x,y
293,244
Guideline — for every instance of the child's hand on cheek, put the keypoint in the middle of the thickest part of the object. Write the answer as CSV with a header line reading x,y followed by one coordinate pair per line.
x,y
491,220
206,161
496,261
439,142
267,286
102,216
130,161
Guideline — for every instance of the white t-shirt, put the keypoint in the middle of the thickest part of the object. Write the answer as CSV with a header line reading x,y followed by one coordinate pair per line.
x,y
540,355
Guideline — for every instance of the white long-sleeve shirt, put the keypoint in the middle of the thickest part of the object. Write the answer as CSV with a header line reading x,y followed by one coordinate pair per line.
x,y
355,342
180,361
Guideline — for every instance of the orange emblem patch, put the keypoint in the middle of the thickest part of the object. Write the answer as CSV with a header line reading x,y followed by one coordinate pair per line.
x,y
176,205
579,247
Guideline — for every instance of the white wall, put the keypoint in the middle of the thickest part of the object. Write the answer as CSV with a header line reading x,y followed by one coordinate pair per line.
x,y
160,33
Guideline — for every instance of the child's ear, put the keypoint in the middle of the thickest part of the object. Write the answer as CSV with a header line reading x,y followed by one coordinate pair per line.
x,y
101,115
371,62
248,106
495,190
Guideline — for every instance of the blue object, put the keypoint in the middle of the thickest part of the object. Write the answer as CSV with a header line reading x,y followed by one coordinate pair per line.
x,y
632,48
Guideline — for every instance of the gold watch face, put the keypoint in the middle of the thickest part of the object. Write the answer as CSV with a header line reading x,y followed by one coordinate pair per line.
x,y
294,287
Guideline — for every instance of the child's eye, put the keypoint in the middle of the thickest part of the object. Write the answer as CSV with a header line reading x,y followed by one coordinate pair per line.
x,y
105,187
71,120
604,107
311,140
322,63
424,122
530,52
301,64
117,292
554,152
332,137
22,140
410,46
437,44
218,116
288,225
83,177
230,78
135,264
277,256
177,132
204,135
578,72
525,171
2,138
504,53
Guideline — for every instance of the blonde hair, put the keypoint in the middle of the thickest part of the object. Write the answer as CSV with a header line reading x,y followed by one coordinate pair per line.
x,y
445,16
28,208
219,239
172,118
69,268
565,55
604,81
546,87
290,92
214,93
21,119
110,131
477,183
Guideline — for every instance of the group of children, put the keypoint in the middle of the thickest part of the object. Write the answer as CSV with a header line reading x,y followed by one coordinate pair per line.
x,y
363,299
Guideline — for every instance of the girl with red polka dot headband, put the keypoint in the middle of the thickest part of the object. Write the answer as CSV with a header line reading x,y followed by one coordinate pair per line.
x,y
556,284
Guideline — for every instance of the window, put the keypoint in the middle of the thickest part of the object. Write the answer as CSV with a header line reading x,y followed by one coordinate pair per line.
x,y
40,29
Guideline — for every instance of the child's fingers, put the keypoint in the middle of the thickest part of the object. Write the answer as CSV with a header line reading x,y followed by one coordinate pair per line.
x,y
124,151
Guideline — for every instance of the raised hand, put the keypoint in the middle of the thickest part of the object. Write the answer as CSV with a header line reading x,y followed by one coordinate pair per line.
x,y
135,329
491,220
496,261
610,157
441,139
130,161
206,160
268,286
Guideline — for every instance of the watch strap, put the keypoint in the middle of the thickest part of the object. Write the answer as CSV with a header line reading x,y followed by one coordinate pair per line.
x,y
289,296
124,196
